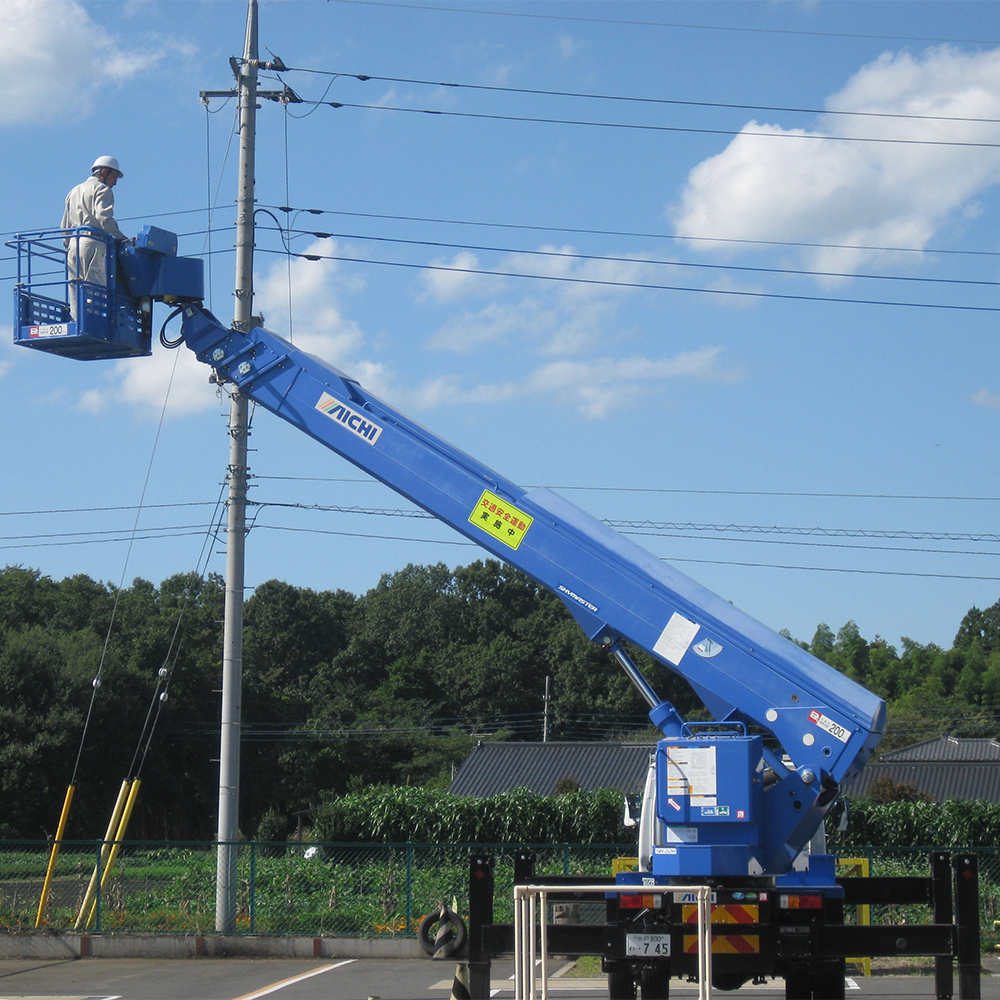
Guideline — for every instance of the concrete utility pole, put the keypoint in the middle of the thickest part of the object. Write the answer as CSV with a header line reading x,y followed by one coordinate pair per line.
x,y
243,319
227,883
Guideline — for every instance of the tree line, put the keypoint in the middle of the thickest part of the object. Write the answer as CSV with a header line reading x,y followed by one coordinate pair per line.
x,y
343,692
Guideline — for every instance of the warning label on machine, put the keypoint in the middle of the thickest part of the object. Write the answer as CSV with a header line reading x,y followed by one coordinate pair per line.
x,y
692,771
675,638
500,519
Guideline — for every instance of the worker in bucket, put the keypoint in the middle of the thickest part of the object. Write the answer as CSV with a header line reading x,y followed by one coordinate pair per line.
x,y
91,204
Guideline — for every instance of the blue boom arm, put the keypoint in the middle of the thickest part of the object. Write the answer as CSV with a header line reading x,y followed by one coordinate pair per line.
x,y
727,802
747,675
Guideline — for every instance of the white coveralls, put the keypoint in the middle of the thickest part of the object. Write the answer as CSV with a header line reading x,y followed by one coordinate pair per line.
x,y
91,203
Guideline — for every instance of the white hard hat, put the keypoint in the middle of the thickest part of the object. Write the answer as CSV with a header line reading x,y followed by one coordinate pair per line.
x,y
107,162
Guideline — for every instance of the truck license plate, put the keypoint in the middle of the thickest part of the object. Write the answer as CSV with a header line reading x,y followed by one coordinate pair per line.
x,y
647,945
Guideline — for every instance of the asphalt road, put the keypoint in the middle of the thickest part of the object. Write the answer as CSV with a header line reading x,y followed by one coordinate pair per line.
x,y
318,979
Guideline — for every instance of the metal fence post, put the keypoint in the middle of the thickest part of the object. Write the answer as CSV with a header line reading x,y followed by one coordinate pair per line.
x,y
98,898
941,902
252,902
480,915
967,930
409,886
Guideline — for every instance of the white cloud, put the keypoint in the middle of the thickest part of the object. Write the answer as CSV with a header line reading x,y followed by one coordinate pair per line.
x,y
174,382
563,324
55,60
497,325
449,280
568,46
984,397
570,315
595,387
319,325
813,186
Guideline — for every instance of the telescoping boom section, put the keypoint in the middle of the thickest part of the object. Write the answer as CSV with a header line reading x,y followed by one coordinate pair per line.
x,y
730,801
742,796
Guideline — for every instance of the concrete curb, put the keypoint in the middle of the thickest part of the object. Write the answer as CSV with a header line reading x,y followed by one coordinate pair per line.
x,y
64,946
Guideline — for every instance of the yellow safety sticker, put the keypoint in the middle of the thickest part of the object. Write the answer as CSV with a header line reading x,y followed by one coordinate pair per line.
x,y
500,519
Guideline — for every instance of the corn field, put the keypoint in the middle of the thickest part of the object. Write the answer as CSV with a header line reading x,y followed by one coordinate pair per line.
x,y
330,890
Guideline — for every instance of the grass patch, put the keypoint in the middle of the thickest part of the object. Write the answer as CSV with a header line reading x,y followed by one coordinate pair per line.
x,y
585,967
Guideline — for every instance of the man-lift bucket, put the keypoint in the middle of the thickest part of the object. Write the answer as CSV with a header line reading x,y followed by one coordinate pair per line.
x,y
80,295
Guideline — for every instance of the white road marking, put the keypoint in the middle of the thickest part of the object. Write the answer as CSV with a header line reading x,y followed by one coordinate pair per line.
x,y
274,987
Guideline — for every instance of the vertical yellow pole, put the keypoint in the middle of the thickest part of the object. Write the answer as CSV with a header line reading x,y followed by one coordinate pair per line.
x,y
116,815
119,837
860,867
44,898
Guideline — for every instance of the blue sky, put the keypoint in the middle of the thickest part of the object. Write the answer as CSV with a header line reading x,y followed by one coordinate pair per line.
x,y
723,274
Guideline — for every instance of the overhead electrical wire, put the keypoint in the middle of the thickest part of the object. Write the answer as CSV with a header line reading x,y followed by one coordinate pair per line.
x,y
664,24
571,230
529,227
790,535
673,559
572,255
645,127
531,91
287,234
650,285
668,559
646,526
678,525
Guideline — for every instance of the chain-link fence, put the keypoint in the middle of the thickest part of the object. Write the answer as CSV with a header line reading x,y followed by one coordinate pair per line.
x,y
901,861
354,890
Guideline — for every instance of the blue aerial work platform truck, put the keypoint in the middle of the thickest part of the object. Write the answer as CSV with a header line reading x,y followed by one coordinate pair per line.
x,y
736,804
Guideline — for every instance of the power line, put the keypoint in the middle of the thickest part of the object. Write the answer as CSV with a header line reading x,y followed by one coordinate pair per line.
x,y
668,559
649,286
676,525
667,24
571,230
123,536
630,234
672,490
808,136
568,255
99,510
365,77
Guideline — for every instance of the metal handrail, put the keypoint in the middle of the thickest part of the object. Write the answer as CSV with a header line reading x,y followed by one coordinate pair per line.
x,y
526,915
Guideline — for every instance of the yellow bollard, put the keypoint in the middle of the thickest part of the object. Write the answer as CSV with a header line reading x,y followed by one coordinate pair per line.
x,y
44,898
113,853
116,815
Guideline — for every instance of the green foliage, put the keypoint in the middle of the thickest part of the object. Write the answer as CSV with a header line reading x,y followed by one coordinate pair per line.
x,y
886,789
422,815
920,824
342,693
980,628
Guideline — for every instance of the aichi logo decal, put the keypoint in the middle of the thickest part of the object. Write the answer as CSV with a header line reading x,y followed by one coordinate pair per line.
x,y
355,422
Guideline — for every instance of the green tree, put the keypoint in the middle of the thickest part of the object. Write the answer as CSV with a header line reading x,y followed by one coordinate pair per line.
x,y
982,627
850,652
823,642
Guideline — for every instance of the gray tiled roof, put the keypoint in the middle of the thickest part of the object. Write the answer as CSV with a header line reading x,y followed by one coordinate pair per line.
x,y
492,768
945,768
948,748
941,780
